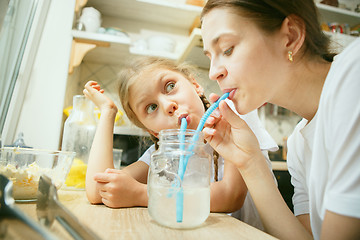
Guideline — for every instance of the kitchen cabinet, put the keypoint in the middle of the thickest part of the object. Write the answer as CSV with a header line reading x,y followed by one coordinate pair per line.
x,y
175,19
330,14
140,20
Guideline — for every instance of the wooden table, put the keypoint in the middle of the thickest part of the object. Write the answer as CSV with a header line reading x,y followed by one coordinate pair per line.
x,y
135,223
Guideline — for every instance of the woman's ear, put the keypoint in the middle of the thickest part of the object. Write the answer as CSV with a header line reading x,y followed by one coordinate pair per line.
x,y
199,89
294,29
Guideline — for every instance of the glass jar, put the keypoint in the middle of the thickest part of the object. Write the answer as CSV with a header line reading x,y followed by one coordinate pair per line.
x,y
179,199
78,135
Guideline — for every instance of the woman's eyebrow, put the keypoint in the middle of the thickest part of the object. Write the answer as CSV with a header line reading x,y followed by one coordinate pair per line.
x,y
213,42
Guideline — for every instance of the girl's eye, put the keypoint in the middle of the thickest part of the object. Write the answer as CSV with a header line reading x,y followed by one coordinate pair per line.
x,y
229,51
170,86
151,108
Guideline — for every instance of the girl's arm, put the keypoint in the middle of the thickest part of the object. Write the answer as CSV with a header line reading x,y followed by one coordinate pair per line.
x,y
138,170
228,195
118,189
124,188
101,153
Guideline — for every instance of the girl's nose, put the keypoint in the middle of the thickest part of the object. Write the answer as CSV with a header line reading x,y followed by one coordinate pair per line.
x,y
217,71
169,106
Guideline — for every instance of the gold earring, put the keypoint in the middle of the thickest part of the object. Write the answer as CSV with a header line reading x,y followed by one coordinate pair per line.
x,y
290,56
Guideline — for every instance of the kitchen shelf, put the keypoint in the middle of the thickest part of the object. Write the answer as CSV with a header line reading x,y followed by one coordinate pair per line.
x,y
335,14
101,37
163,12
164,54
132,130
177,15
120,48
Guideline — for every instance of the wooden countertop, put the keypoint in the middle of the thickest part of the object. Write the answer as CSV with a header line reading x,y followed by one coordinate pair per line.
x,y
135,223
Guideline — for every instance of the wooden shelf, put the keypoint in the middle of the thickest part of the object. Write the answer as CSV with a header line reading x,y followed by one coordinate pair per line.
x,y
79,48
101,37
130,130
279,166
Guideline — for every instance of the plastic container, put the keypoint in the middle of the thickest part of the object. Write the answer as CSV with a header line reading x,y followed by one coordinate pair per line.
x,y
167,191
78,135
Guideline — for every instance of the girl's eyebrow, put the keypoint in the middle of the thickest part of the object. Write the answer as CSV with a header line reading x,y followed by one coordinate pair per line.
x,y
141,99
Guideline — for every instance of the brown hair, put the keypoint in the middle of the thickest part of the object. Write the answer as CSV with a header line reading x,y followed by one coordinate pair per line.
x,y
131,73
269,15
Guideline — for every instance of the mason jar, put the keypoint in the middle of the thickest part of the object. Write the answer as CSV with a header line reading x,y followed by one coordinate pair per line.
x,y
179,180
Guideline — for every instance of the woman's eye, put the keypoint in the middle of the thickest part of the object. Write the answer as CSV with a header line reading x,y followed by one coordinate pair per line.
x,y
229,51
170,86
151,108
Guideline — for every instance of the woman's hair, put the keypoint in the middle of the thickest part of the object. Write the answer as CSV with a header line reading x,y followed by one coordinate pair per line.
x,y
132,73
269,15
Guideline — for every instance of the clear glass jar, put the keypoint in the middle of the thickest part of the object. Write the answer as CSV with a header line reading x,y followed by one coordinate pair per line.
x,y
78,135
176,201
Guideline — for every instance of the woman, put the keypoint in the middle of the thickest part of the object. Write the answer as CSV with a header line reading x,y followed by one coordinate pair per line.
x,y
274,51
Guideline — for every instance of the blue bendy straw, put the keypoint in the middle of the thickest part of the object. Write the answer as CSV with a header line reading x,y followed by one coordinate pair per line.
x,y
180,193
183,163
201,126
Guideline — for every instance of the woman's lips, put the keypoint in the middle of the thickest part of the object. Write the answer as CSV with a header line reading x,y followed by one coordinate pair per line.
x,y
231,92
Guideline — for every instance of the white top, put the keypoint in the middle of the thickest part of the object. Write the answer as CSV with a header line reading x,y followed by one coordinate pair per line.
x,y
248,212
324,155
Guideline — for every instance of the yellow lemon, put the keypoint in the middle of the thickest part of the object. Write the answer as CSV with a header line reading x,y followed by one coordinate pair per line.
x,y
77,174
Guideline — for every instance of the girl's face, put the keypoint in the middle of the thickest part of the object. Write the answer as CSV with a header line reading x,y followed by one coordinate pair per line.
x,y
243,58
161,97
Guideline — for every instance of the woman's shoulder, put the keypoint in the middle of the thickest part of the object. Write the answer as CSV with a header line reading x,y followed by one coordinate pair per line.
x,y
344,71
351,54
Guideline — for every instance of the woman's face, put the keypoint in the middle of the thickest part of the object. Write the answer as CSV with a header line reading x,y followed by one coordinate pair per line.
x,y
243,58
160,98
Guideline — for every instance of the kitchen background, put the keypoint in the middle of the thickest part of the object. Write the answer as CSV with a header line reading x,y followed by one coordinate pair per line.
x,y
66,47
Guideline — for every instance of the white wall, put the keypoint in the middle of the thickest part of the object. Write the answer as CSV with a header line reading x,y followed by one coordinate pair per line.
x,y
41,112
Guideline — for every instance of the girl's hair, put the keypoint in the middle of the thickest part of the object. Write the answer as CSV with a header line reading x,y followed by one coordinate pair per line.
x,y
269,15
132,73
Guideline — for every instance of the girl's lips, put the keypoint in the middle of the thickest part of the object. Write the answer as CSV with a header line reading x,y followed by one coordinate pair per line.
x,y
186,116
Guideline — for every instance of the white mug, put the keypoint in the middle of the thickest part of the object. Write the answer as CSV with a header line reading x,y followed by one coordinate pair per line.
x,y
91,19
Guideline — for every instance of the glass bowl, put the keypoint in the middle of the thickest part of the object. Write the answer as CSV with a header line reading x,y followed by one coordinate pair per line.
x,y
24,166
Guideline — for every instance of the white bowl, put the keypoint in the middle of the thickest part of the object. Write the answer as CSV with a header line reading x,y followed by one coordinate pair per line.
x,y
24,166
161,43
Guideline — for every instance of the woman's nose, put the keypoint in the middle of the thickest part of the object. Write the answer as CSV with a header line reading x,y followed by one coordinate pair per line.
x,y
217,71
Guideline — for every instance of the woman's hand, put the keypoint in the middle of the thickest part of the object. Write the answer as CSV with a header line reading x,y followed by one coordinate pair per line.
x,y
230,136
118,189
93,92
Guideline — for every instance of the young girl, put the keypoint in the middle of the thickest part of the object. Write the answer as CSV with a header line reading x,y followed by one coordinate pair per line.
x,y
274,51
156,94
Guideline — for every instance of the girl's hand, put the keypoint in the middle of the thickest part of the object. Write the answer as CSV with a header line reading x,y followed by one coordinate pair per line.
x,y
93,92
118,189
230,136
